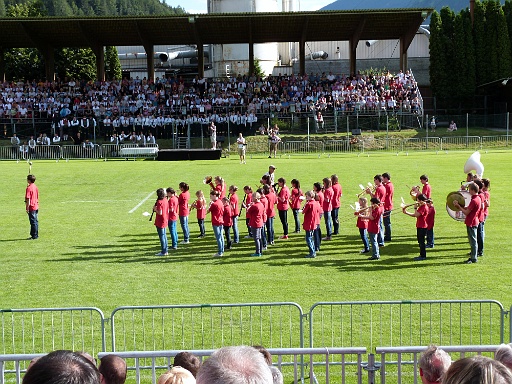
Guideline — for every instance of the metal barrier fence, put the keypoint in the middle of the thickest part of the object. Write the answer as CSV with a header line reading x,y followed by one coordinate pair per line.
x,y
401,364
389,323
305,146
39,330
275,325
329,365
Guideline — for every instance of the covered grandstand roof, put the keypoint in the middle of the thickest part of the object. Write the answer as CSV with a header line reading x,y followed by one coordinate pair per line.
x,y
211,29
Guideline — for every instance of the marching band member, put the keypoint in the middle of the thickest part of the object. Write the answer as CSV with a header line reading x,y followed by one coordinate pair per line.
x,y
283,198
246,204
379,193
311,212
485,197
271,212
200,206
427,191
319,197
362,224
173,216
217,210
420,213
161,209
256,212
327,207
220,186
184,211
336,203
228,221
295,202
388,205
374,216
233,201
431,217
264,202
472,213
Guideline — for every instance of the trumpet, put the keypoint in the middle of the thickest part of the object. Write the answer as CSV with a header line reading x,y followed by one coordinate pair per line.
x,y
414,191
363,190
208,180
370,189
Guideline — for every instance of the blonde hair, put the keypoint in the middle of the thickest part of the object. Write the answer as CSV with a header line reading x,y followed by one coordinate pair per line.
x,y
363,202
177,375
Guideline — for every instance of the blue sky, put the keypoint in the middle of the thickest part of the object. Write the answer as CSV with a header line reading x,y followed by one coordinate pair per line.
x,y
200,6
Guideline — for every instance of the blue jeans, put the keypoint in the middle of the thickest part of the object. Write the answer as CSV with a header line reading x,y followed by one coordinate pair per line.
x,y
236,234
263,236
317,237
296,219
163,239
283,216
227,231
364,236
249,230
380,235
217,231
270,229
430,237
310,242
473,242
202,230
480,237
184,227
328,223
258,241
387,225
173,230
335,221
375,244
34,224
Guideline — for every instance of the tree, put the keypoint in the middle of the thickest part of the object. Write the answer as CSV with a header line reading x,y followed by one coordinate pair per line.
x,y
75,63
479,41
438,64
112,64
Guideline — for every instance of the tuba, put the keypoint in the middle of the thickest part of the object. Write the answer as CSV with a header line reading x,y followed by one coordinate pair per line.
x,y
474,164
208,180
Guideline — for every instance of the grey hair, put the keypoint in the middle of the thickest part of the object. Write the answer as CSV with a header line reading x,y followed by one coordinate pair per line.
x,y
477,370
434,363
504,355
235,365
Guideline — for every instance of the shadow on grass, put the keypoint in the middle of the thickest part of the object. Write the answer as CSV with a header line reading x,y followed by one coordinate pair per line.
x,y
342,253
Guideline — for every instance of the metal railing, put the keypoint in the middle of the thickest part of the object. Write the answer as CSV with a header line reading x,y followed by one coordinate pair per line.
x,y
142,328
401,364
389,323
39,330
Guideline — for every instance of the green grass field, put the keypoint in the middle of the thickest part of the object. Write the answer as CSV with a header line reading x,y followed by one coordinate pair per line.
x,y
93,252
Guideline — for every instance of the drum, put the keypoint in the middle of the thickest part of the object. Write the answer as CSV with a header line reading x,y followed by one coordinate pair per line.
x,y
464,198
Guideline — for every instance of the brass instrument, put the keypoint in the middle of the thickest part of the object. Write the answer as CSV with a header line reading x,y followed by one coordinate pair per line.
x,y
363,190
414,191
371,188
208,180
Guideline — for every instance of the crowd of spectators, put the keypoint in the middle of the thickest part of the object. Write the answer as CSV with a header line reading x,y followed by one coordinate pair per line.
x,y
252,365
145,106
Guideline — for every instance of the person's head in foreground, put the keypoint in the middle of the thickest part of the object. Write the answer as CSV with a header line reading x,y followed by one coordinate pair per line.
x,y
477,370
434,363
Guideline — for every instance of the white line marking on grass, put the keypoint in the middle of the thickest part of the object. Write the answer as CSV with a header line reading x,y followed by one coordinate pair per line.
x,y
142,202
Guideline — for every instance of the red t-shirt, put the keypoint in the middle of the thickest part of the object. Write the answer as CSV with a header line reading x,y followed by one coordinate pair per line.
x,y
200,209
183,199
373,225
421,221
487,197
318,212
217,211
228,216
327,203
173,208
295,199
233,200
256,212
264,202
474,206
161,221
284,195
388,200
271,201
337,192
309,222
32,193
320,198
380,193
222,190
361,223
431,217
248,202
427,190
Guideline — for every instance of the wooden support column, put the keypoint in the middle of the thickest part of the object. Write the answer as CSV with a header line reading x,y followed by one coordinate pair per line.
x,y
99,52
200,60
405,42
2,65
302,57
150,60
403,56
352,44
49,62
251,58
